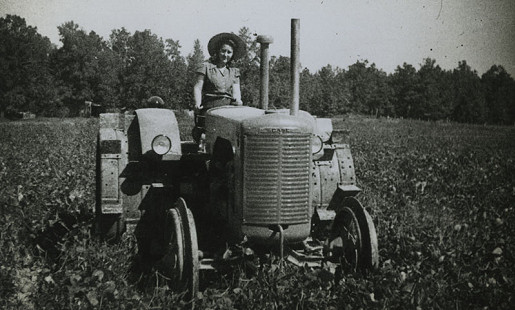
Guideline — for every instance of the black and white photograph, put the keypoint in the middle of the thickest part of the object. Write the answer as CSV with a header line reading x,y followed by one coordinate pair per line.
x,y
243,154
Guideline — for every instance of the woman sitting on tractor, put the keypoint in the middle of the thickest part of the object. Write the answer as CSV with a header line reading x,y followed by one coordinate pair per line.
x,y
218,83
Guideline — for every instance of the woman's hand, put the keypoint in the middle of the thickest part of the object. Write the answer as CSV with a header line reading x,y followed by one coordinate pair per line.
x,y
197,92
196,109
236,94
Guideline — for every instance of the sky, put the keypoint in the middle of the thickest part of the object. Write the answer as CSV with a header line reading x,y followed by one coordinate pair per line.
x,y
336,32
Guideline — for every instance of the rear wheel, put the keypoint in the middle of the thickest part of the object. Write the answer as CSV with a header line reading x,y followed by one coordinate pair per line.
x,y
353,238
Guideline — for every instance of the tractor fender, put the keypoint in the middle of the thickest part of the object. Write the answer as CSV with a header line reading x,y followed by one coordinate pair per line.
x,y
345,164
333,172
324,128
154,122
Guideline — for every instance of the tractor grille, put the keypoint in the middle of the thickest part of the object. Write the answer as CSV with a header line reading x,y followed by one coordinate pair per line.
x,y
276,179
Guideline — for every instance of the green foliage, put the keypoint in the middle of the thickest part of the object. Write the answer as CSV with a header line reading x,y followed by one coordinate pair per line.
x,y
25,78
445,195
194,60
148,69
368,89
499,95
125,70
441,195
469,96
405,82
249,68
327,92
435,93
279,92
82,68
177,90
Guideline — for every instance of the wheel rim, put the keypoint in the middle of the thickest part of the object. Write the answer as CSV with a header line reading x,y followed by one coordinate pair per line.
x,y
346,240
354,226
190,274
175,251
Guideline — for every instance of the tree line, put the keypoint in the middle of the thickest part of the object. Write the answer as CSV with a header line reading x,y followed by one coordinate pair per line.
x,y
123,71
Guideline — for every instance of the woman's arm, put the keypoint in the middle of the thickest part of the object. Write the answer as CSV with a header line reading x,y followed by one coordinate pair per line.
x,y
236,94
197,91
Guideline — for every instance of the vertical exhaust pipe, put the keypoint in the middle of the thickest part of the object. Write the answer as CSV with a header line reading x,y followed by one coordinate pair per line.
x,y
295,66
264,69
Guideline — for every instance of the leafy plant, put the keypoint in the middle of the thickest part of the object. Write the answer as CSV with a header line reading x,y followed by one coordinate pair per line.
x,y
441,194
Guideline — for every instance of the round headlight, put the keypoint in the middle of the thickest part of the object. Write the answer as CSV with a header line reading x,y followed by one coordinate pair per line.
x,y
316,145
161,144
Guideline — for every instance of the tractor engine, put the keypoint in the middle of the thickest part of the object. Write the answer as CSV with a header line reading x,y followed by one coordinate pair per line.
x,y
266,156
276,171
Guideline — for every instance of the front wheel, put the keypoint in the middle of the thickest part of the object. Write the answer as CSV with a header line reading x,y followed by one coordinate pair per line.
x,y
353,239
182,252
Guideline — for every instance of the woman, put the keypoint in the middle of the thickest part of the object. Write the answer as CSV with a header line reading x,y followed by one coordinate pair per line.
x,y
217,83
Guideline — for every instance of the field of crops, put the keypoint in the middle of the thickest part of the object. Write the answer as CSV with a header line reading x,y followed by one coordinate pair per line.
x,y
442,196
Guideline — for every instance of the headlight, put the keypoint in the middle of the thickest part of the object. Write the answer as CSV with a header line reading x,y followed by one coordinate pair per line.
x,y
316,145
161,144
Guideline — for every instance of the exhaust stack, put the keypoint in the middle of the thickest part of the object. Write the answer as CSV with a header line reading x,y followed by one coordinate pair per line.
x,y
264,69
295,66
265,42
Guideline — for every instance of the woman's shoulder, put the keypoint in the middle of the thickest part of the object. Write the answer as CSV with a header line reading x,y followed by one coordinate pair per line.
x,y
235,71
205,66
209,64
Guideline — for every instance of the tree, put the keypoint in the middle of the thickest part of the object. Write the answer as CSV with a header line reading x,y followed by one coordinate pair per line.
x,y
249,68
499,89
84,68
469,97
380,101
177,76
279,92
329,93
119,45
147,71
26,83
404,83
308,88
435,93
172,49
369,89
194,60
147,66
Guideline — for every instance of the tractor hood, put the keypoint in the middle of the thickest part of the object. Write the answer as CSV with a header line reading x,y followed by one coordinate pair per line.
x,y
278,123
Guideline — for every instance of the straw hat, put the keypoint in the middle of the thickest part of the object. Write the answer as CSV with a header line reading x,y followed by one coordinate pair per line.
x,y
216,42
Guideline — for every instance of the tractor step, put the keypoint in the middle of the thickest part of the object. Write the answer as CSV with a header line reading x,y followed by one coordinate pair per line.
x,y
300,259
206,264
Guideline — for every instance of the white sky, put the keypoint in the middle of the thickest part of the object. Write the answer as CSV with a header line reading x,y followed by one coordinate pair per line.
x,y
336,32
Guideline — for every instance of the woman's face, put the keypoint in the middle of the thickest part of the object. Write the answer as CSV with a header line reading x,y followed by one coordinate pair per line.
x,y
225,54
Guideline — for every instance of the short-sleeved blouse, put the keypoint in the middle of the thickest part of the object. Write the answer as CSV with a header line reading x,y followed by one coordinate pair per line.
x,y
217,84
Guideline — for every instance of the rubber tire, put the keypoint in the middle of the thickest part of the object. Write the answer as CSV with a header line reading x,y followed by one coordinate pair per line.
x,y
368,253
190,274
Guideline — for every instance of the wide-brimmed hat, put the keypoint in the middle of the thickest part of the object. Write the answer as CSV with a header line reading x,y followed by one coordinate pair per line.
x,y
216,41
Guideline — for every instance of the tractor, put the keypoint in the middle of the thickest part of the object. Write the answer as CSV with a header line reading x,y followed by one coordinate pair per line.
x,y
274,179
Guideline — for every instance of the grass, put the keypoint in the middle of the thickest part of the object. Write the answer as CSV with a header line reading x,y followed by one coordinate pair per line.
x,y
442,196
